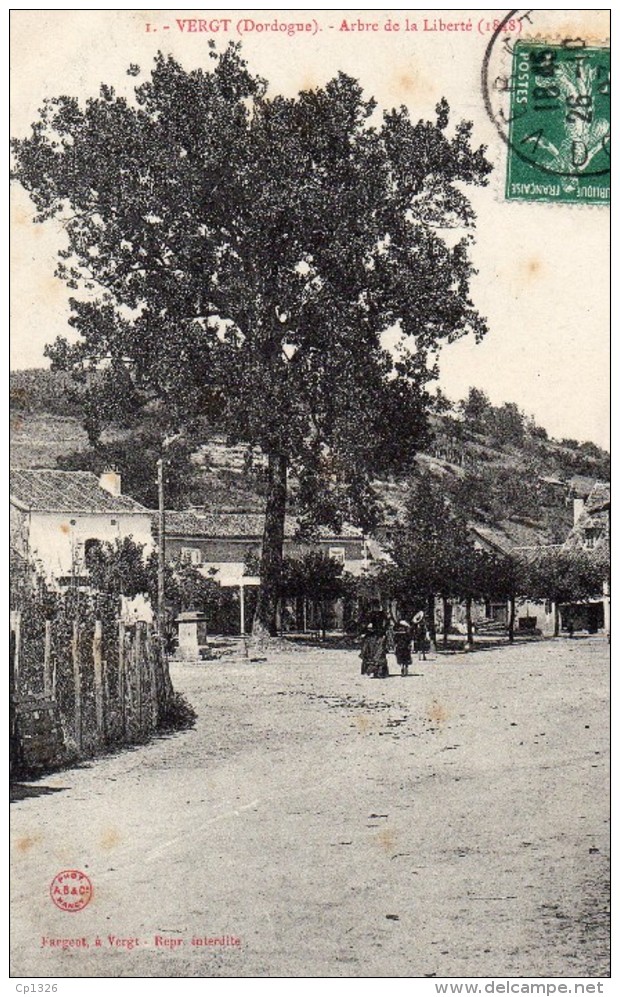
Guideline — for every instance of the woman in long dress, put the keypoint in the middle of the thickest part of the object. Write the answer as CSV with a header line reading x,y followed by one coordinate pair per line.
x,y
367,649
379,665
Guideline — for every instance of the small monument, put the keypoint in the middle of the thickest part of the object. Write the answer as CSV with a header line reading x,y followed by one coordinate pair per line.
x,y
192,631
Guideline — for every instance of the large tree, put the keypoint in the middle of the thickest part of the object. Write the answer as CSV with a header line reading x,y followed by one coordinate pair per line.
x,y
244,254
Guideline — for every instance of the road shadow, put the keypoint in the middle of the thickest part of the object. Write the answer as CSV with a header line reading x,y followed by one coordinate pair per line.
x,y
456,644
334,642
26,784
19,791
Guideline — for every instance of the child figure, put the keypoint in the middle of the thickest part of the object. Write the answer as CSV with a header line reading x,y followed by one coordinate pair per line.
x,y
419,635
402,646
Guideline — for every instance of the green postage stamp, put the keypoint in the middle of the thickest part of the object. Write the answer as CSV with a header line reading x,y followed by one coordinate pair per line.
x,y
559,137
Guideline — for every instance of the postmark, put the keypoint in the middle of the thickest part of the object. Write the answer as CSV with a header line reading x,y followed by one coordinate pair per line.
x,y
71,890
548,95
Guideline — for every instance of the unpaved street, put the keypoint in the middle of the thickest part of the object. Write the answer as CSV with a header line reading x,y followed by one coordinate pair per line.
x,y
454,822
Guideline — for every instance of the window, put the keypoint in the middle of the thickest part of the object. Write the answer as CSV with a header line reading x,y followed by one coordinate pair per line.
x,y
193,555
592,534
337,554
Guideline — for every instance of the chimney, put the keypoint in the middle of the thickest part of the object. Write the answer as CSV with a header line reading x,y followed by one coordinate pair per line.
x,y
110,481
578,504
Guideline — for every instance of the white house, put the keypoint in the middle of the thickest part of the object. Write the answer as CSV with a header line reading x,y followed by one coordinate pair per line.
x,y
219,541
54,515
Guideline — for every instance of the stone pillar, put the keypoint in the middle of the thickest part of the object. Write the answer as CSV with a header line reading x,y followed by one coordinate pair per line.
x,y
190,632
606,609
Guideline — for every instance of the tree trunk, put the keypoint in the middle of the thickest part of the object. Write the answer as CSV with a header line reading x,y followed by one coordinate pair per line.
x,y
556,620
511,620
470,628
265,618
432,630
299,613
447,614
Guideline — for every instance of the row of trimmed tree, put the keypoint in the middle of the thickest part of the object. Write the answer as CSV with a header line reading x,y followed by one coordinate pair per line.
x,y
434,555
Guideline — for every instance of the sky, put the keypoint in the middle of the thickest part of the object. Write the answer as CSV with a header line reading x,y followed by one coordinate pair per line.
x,y
543,269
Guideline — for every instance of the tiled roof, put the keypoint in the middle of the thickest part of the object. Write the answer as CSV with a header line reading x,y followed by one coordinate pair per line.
x,y
238,525
581,485
521,534
593,516
66,491
492,537
508,534
534,553
246,525
599,498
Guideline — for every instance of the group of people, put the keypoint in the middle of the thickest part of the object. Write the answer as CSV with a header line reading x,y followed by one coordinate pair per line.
x,y
380,638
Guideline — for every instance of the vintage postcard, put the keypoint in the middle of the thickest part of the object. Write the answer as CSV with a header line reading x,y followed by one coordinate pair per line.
x,y
310,502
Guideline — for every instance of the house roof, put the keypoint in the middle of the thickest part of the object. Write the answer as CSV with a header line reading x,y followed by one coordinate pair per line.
x,y
491,538
593,515
509,534
239,525
599,498
66,491
581,485
532,554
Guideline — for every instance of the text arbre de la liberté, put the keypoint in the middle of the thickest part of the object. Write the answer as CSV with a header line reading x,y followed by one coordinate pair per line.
x,y
348,26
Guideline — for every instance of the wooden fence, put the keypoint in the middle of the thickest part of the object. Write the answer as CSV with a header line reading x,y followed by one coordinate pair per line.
x,y
82,687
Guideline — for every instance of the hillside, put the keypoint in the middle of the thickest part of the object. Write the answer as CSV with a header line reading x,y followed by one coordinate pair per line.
x,y
503,469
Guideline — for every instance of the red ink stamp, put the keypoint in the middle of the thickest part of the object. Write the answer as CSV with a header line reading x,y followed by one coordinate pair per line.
x,y
71,890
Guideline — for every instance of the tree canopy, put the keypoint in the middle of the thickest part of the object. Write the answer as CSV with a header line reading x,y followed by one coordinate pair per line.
x,y
241,257
565,576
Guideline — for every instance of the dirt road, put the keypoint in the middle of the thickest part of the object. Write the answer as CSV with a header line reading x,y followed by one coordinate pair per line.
x,y
454,822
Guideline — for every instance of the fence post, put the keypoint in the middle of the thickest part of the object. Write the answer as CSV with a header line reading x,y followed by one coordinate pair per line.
x,y
150,653
47,661
77,682
98,675
121,676
17,636
106,698
138,660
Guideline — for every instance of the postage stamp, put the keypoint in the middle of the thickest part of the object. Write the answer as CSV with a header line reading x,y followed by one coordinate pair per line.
x,y
559,126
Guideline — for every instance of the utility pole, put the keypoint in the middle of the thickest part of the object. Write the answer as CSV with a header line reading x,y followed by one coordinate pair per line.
x,y
161,551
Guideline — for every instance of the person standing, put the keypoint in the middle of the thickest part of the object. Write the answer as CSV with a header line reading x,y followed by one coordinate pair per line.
x,y
367,649
379,665
419,635
402,646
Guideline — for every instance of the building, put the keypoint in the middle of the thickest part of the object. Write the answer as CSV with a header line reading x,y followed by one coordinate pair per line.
x,y
592,531
591,516
222,542
54,515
